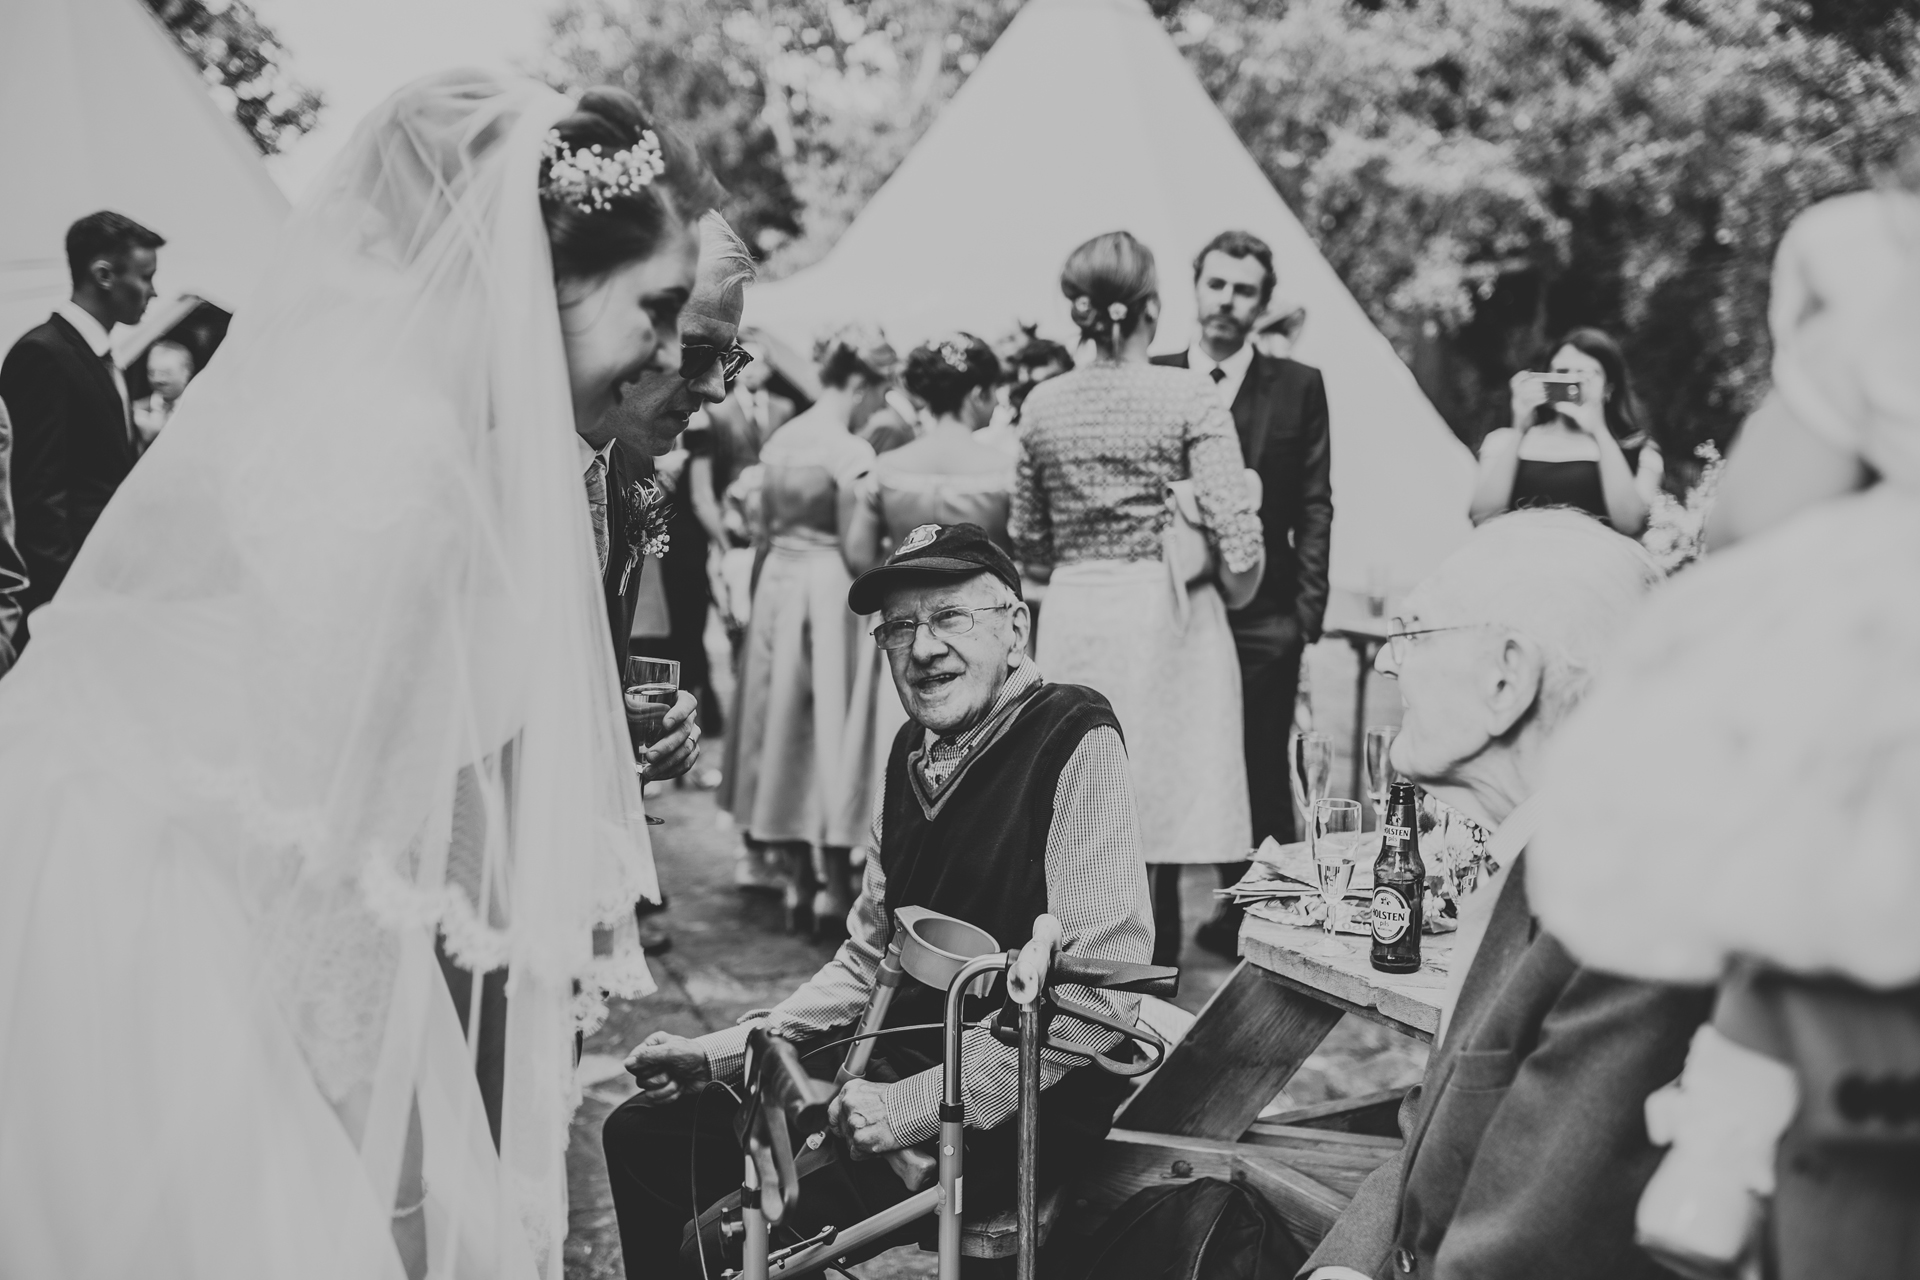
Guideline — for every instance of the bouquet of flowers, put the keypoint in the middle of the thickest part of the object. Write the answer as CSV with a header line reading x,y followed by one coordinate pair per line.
x,y
1675,525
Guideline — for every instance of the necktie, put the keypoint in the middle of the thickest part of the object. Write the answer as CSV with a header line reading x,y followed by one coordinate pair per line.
x,y
597,505
119,386
1218,375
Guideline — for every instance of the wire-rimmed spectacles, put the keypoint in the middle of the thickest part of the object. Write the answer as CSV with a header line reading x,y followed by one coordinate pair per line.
x,y
945,624
1400,635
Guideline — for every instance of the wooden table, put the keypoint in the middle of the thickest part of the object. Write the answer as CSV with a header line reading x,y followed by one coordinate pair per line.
x,y
1199,1115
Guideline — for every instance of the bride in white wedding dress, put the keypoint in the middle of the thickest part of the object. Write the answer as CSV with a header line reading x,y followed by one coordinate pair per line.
x,y
331,677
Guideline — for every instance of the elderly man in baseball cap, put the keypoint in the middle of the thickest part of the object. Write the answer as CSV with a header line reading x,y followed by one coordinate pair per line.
x,y
1005,797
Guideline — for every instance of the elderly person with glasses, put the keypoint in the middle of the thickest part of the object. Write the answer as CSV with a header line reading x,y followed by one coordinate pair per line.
x,y
1525,1145
1006,797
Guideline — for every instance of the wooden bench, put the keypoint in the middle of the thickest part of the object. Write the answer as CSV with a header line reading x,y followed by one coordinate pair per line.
x,y
1199,1115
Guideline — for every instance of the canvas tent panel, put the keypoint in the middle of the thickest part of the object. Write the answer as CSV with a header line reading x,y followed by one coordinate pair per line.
x,y
1084,118
100,110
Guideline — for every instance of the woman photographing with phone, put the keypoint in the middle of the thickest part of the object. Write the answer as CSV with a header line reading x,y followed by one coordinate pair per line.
x,y
1577,440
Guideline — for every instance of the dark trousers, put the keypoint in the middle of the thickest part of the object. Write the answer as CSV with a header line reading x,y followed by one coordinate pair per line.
x,y
661,1160
1269,682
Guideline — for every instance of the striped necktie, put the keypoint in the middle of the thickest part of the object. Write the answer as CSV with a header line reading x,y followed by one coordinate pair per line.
x,y
597,505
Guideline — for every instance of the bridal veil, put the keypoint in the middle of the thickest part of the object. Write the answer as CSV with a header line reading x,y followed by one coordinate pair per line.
x,y
331,675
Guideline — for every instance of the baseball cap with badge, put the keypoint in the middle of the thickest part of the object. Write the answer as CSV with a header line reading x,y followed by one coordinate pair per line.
x,y
933,551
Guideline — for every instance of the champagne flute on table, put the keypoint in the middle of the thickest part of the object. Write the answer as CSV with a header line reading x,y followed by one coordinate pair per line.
x,y
1380,771
1310,770
652,687
1336,836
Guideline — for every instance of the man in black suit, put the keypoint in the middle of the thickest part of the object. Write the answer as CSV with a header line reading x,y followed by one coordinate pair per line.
x,y
13,574
73,440
1526,1146
1280,411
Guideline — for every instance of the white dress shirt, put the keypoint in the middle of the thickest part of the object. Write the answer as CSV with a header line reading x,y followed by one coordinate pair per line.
x,y
1233,370
100,344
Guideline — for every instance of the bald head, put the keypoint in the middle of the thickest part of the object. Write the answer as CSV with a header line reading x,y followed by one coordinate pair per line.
x,y
1516,623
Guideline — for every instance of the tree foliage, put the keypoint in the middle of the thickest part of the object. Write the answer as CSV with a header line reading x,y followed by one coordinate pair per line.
x,y
246,67
803,107
1485,173
1481,173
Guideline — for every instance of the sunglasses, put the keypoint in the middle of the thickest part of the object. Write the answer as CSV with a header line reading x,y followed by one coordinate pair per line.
x,y
698,357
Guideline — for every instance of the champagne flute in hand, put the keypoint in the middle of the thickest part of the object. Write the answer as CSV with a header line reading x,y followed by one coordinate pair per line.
x,y
652,687
1336,832
1310,770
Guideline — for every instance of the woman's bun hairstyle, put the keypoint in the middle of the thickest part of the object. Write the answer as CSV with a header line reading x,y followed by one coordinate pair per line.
x,y
854,349
1109,280
588,243
941,373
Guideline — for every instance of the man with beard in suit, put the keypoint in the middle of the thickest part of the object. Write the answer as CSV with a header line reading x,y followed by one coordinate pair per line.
x,y
1279,409
73,439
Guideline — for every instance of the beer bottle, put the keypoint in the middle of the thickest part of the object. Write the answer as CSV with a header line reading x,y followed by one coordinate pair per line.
x,y
1399,881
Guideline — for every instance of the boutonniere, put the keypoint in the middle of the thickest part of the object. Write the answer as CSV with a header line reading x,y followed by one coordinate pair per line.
x,y
648,510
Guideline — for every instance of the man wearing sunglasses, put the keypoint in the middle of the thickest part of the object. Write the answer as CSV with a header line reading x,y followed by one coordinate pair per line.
x,y
1006,797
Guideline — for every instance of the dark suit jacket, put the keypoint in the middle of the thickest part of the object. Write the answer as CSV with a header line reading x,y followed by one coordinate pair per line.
x,y
71,449
624,469
1526,1146
1281,416
13,574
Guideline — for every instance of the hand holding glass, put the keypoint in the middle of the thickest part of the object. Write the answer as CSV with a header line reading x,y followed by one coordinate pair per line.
x,y
652,687
1336,836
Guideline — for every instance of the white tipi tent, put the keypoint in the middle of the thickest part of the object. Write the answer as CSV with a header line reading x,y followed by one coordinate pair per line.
x,y
100,110
1084,118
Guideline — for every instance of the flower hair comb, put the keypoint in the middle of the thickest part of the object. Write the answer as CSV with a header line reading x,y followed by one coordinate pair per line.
x,y
590,181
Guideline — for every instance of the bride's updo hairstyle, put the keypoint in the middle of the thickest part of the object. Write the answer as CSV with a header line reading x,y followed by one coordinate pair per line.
x,y
1109,281
627,225
942,373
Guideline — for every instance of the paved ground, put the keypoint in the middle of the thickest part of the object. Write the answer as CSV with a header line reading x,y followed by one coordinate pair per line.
x,y
730,955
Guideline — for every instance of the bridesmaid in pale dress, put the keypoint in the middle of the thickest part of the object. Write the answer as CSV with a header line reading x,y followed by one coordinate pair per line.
x,y
946,476
787,779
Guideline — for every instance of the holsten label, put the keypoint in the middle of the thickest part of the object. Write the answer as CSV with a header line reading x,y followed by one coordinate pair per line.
x,y
1397,833
1391,915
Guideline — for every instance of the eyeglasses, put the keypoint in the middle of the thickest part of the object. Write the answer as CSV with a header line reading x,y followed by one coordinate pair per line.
x,y
1399,635
698,357
947,624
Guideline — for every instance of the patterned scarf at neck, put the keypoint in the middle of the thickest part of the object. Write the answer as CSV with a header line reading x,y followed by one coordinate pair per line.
x,y
937,767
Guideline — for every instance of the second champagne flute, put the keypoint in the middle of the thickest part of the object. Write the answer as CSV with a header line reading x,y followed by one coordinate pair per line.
x,y
1310,771
1336,831
1380,771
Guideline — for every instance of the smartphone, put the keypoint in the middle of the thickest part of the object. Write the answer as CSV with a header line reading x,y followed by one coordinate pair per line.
x,y
1561,390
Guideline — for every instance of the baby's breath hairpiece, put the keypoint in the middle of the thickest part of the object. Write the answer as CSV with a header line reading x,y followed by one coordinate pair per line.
x,y
955,352
590,181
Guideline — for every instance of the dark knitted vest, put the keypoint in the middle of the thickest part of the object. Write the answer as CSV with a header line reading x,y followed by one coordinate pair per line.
x,y
982,859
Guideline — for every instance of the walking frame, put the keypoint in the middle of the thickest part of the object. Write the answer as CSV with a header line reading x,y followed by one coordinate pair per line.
x,y
953,956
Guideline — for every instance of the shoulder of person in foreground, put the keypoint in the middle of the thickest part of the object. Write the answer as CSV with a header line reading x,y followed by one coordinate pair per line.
x,y
1553,1183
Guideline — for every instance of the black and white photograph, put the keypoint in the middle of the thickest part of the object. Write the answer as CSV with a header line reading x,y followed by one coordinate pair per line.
x,y
960,639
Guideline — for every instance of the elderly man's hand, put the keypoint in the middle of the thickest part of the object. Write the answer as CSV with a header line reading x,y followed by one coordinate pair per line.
x,y
665,1066
859,1112
679,744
